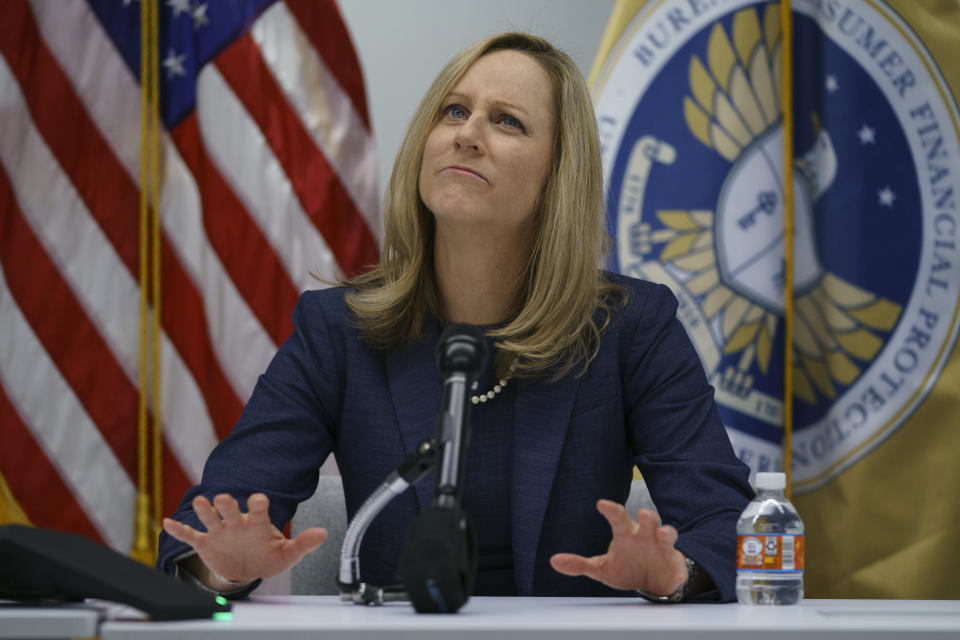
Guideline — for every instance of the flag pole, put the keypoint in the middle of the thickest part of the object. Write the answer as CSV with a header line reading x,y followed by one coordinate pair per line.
x,y
786,92
156,289
144,546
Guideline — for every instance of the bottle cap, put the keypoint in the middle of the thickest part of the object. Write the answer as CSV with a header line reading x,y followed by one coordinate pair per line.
x,y
771,480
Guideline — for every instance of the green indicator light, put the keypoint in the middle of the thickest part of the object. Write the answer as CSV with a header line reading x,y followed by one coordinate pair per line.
x,y
221,600
223,615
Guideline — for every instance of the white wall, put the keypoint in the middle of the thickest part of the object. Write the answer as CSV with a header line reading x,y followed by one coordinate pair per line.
x,y
403,44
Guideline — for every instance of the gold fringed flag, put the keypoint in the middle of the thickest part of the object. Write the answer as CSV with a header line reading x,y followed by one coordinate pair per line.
x,y
264,162
691,111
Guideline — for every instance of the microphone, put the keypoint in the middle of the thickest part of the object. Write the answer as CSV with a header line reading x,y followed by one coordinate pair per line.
x,y
439,561
461,356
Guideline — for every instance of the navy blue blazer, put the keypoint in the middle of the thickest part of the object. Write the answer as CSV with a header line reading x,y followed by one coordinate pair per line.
x,y
643,401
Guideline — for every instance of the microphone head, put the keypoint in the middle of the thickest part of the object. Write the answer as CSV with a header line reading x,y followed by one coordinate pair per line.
x,y
462,347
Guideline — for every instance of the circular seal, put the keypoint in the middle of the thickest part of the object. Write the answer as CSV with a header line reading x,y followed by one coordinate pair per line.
x,y
691,125
752,546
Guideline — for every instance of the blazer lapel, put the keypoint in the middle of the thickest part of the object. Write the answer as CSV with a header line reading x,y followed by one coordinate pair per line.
x,y
417,392
540,422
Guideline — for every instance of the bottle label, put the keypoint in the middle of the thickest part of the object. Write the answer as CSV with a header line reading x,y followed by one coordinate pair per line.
x,y
781,553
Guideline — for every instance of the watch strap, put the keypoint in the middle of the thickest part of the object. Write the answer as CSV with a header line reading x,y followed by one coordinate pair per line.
x,y
679,594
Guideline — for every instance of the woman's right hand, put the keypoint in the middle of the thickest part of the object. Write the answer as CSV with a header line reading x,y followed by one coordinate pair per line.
x,y
241,547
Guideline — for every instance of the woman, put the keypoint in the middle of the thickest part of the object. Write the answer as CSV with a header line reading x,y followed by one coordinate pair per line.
x,y
494,216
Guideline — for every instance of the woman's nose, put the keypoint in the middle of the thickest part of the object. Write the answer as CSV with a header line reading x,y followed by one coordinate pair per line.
x,y
468,135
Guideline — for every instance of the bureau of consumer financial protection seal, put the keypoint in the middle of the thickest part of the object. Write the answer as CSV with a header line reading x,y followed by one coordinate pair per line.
x,y
690,122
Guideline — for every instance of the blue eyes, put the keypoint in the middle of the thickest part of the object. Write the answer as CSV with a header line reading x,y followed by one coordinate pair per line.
x,y
459,112
455,111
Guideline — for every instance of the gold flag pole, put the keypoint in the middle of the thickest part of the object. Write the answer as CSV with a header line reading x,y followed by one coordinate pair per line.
x,y
156,289
144,549
786,92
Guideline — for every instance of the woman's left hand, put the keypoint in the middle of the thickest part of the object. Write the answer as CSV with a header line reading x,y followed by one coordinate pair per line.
x,y
641,554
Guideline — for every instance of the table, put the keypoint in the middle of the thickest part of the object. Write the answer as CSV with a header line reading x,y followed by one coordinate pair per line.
x,y
302,617
40,621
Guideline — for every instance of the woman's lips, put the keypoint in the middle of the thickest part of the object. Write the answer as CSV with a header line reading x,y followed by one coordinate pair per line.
x,y
465,171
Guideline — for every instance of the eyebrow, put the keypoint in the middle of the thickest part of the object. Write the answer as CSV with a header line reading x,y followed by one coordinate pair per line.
x,y
503,104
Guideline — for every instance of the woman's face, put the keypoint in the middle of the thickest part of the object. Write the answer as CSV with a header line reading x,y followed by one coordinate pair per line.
x,y
486,160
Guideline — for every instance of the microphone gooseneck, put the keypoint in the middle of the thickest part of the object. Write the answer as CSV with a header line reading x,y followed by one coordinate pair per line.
x,y
439,561
413,467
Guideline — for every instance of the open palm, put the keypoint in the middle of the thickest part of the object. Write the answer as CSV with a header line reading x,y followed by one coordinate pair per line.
x,y
641,554
242,547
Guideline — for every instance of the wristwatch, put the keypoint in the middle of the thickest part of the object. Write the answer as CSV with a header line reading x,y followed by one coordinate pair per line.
x,y
680,593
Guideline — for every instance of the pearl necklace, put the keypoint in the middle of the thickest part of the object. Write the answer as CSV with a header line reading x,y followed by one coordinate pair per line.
x,y
497,388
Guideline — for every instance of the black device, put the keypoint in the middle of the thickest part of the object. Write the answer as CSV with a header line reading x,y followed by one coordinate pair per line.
x,y
439,561
39,565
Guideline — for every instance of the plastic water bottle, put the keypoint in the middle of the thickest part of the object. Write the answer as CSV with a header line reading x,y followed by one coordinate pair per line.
x,y
770,546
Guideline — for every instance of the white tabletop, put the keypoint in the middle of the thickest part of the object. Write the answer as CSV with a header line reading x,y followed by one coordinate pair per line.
x,y
288,617
59,621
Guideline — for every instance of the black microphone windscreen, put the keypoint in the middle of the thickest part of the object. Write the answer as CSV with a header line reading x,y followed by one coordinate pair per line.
x,y
439,561
462,347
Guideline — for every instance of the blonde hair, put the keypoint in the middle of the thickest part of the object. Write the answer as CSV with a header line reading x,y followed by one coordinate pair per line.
x,y
562,287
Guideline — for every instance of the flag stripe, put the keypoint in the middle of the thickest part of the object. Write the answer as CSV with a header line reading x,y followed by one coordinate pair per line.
x,y
237,242
175,482
321,21
40,491
78,347
180,302
66,128
102,83
238,147
320,192
187,330
96,273
230,331
213,322
79,351
194,417
324,110
63,429
254,268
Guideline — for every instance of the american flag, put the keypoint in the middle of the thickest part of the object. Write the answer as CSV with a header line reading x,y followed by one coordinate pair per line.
x,y
268,178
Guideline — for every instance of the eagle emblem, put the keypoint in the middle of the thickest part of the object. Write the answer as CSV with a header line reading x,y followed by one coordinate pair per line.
x,y
731,260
